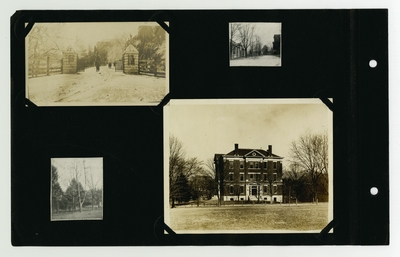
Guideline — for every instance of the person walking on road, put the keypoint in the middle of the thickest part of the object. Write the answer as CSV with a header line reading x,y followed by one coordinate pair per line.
x,y
96,59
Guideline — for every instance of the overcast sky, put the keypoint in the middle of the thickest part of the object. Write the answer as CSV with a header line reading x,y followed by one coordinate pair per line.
x,y
65,168
89,33
265,30
206,127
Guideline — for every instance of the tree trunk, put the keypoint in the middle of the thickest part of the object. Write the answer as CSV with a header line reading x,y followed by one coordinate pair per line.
x,y
219,195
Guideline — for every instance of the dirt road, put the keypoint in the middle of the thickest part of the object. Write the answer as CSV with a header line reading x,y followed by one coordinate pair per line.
x,y
106,87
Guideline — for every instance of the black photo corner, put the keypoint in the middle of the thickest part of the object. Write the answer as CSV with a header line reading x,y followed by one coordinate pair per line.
x,y
325,55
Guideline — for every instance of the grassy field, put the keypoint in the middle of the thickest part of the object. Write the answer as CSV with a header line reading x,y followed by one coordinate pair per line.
x,y
300,217
86,214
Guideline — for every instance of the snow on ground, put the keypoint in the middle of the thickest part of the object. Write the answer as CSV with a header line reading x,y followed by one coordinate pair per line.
x,y
106,87
263,60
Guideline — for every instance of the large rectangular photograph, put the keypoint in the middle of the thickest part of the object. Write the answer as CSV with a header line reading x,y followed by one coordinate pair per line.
x,y
248,166
76,189
96,63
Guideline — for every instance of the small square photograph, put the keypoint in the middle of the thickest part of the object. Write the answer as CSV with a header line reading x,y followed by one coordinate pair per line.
x,y
96,63
248,166
76,189
255,44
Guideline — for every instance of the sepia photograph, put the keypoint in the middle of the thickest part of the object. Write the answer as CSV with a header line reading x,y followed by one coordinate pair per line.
x,y
76,189
248,166
255,44
96,63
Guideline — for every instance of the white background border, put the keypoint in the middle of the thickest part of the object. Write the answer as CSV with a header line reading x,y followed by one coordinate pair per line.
x,y
9,7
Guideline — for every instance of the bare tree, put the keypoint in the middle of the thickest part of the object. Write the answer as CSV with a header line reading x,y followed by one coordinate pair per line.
x,y
311,153
246,35
117,48
47,41
192,167
92,185
293,175
223,177
80,189
176,162
256,45
211,171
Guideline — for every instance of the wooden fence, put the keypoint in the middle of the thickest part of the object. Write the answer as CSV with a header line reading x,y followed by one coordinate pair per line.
x,y
43,67
147,67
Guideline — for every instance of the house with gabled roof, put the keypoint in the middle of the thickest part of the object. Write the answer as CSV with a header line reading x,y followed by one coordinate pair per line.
x,y
245,174
130,60
236,50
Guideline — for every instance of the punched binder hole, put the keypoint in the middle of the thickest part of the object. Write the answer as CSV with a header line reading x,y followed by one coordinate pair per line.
x,y
373,191
373,63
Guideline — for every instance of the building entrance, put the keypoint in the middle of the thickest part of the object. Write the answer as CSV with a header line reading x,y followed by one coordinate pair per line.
x,y
254,190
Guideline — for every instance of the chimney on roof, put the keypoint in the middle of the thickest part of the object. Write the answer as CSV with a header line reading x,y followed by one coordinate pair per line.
x,y
270,150
236,149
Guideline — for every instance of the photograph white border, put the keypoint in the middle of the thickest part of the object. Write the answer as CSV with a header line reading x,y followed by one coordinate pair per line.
x,y
242,102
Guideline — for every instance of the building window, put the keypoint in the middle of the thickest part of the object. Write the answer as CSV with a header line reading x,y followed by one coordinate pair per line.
x,y
265,165
241,177
241,189
241,164
265,177
231,189
274,189
257,165
251,165
258,177
274,176
274,165
231,177
230,164
265,188
251,176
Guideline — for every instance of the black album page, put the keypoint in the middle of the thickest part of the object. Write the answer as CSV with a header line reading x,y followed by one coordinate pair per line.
x,y
199,127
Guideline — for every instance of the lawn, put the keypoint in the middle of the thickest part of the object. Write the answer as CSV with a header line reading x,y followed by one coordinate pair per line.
x,y
86,214
302,217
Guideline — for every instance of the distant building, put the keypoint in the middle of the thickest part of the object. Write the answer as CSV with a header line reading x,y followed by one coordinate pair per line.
x,y
249,174
276,45
236,50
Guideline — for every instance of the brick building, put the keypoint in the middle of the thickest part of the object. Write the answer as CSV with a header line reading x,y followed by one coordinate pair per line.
x,y
276,45
249,174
